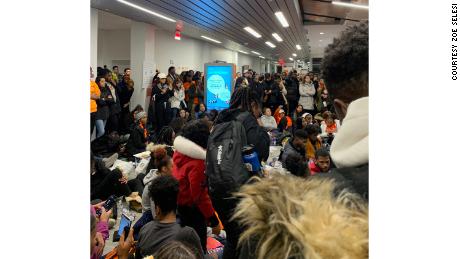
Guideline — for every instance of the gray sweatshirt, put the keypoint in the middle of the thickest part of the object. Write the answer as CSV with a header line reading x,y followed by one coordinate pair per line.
x,y
268,122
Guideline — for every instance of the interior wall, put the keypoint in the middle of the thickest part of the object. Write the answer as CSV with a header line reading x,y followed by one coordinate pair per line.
x,y
113,45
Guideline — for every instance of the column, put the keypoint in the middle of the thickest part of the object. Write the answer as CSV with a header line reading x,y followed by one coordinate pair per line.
x,y
93,39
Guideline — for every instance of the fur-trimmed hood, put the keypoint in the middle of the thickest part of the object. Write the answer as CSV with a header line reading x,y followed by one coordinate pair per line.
x,y
301,218
350,147
189,148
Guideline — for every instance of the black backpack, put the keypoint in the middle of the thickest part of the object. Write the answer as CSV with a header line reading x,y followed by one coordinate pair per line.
x,y
225,169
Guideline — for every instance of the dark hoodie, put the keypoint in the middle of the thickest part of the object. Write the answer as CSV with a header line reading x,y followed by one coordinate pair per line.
x,y
255,134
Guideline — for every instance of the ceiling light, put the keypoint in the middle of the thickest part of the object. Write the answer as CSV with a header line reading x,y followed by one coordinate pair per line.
x,y
295,55
321,33
257,53
291,59
282,19
146,10
277,37
350,5
262,57
213,40
252,31
298,47
244,52
270,44
320,40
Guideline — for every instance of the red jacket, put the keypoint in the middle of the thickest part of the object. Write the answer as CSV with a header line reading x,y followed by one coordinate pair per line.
x,y
189,170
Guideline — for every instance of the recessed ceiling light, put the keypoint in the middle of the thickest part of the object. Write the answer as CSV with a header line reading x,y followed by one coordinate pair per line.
x,y
252,31
291,59
321,33
244,52
320,40
295,55
350,5
255,52
262,57
282,19
298,47
270,44
210,39
146,10
277,37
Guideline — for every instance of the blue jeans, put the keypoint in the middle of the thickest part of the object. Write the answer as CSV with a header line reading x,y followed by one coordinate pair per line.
x,y
100,128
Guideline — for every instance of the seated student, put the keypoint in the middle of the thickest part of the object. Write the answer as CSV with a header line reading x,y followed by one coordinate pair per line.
x,y
166,137
284,122
99,231
313,142
311,218
162,166
268,121
139,135
105,182
298,112
177,124
322,162
296,145
159,232
330,125
296,165
199,110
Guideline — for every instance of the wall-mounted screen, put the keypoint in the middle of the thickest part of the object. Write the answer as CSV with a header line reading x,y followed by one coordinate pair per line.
x,y
218,85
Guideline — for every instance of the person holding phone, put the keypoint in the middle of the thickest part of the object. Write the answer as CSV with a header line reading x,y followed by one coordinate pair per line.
x,y
99,229
161,94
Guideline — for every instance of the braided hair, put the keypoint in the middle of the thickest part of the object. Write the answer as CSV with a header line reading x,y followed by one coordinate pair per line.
x,y
165,136
242,98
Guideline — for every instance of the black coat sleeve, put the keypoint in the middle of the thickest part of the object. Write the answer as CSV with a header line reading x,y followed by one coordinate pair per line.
x,y
138,140
258,137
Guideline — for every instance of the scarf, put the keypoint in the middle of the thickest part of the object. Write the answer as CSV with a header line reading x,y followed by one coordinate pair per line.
x,y
145,130
312,149
332,128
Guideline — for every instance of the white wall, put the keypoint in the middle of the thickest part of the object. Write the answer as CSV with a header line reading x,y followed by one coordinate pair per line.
x,y
94,18
113,45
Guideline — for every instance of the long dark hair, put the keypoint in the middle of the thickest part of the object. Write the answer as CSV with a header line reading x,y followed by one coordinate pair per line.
x,y
243,98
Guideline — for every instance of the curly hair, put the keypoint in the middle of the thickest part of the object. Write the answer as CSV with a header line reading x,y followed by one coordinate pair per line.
x,y
302,218
163,191
175,250
165,136
197,131
345,66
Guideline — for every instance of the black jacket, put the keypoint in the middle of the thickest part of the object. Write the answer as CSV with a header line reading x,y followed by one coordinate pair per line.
x,y
255,134
124,93
115,107
292,88
258,89
161,98
103,104
136,141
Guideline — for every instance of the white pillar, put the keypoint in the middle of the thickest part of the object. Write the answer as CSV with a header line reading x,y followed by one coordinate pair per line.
x,y
93,39
142,49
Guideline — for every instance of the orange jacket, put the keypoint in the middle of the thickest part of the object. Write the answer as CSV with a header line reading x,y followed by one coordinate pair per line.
x,y
277,117
94,89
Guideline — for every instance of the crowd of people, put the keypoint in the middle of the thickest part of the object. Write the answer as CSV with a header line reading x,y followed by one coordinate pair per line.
x,y
197,187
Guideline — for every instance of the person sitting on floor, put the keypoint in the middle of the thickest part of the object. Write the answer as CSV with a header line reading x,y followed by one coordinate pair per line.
x,y
322,162
297,165
139,135
295,145
268,121
285,122
159,232
330,125
313,142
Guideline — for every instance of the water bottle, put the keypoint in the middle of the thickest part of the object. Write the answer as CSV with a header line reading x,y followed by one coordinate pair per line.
x,y
250,159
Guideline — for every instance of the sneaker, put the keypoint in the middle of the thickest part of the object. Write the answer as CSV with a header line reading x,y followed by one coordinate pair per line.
x,y
112,223
109,161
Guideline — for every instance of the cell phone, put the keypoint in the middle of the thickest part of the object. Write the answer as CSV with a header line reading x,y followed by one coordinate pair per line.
x,y
108,204
125,224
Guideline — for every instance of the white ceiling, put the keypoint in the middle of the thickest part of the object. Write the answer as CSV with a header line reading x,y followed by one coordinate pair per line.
x,y
108,21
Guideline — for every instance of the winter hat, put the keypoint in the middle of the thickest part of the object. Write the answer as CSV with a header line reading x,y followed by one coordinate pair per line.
x,y
305,114
282,111
140,115
162,75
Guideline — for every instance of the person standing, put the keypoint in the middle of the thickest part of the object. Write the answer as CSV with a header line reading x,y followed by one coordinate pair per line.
x,y
95,94
114,107
258,88
292,88
307,93
172,74
178,99
161,94
103,103
267,89
125,91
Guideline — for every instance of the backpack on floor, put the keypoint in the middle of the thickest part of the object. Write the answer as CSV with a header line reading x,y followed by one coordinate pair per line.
x,y
225,170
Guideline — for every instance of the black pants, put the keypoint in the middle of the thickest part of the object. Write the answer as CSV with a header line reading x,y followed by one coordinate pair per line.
x,y
110,186
292,106
233,230
92,121
192,217
124,121
113,123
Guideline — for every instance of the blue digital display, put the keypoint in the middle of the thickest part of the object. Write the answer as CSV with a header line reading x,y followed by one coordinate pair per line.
x,y
218,86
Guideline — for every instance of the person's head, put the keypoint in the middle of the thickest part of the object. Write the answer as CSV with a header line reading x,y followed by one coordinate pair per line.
x,y
345,67
330,120
246,100
306,79
312,131
299,108
277,78
315,78
115,69
162,161
303,218
178,123
108,76
177,84
93,232
296,165
187,115
268,76
100,81
282,113
202,107
182,113
238,74
323,159
163,191
261,78
176,250
172,70
307,119
268,112
213,114
141,117
127,71
300,139
166,136
196,131
162,77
